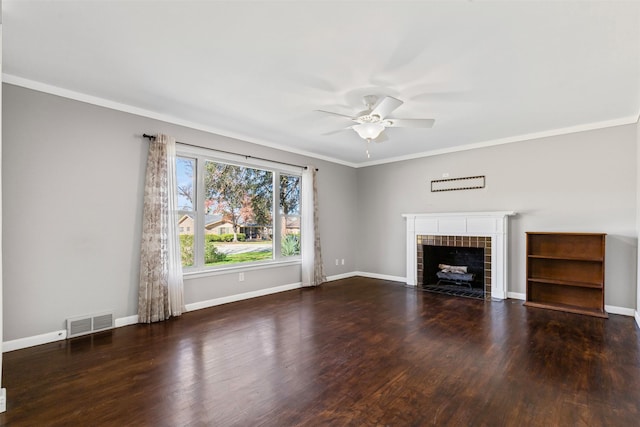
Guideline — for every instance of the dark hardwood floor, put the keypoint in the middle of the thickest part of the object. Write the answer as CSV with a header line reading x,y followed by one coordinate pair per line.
x,y
353,352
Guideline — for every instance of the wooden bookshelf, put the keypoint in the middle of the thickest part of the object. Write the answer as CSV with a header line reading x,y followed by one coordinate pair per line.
x,y
565,271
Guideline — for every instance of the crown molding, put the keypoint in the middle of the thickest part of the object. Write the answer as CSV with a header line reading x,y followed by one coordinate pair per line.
x,y
519,138
103,102
126,108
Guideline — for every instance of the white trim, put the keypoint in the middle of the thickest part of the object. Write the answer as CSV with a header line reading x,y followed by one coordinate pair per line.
x,y
102,102
516,295
240,268
438,215
132,320
341,276
518,138
513,295
239,297
61,335
34,340
367,274
491,224
380,276
126,321
624,311
214,155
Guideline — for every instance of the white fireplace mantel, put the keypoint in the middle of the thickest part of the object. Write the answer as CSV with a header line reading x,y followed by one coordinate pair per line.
x,y
488,224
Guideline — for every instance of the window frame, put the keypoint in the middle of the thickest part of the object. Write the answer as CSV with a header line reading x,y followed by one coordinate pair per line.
x,y
202,155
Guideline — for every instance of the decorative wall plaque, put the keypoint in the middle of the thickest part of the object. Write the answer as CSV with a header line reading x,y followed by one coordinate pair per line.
x,y
452,184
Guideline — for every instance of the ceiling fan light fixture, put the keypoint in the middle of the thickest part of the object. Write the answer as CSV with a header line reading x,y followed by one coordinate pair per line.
x,y
368,131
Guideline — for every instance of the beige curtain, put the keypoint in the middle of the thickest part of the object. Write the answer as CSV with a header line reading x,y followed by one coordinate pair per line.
x,y
160,294
312,266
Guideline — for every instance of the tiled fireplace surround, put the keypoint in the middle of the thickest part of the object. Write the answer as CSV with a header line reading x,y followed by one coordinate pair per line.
x,y
459,242
488,230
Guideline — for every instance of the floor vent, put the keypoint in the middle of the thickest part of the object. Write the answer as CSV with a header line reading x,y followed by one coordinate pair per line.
x,y
82,325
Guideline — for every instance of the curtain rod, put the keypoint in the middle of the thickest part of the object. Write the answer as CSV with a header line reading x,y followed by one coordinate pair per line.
x,y
153,137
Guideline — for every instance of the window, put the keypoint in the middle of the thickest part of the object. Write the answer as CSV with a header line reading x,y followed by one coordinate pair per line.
x,y
239,212
185,169
290,214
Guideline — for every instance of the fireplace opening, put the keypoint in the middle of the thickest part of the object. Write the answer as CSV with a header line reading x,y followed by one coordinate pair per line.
x,y
454,270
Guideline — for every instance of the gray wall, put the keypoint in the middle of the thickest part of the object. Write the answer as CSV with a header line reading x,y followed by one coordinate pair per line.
x,y
72,190
583,182
73,175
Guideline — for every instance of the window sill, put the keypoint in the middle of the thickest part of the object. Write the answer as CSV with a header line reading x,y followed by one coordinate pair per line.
x,y
239,268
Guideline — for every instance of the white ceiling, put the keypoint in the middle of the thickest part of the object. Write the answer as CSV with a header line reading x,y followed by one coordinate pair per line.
x,y
487,72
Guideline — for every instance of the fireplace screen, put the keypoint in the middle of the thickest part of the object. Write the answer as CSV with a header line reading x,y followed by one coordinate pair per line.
x,y
468,260
472,252
454,270
456,274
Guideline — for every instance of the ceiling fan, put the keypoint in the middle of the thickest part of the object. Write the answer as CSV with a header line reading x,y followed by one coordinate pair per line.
x,y
371,122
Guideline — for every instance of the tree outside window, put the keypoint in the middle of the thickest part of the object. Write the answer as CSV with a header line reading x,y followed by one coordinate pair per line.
x,y
290,214
233,214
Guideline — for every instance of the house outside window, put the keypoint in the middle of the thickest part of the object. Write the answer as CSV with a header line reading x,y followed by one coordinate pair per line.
x,y
234,213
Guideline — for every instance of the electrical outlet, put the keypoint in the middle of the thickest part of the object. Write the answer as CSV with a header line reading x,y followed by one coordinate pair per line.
x,y
241,277
342,261
336,261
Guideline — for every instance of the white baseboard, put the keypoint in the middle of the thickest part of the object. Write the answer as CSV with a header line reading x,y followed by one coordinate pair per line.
x,y
380,276
624,311
34,340
365,274
131,320
126,321
239,297
341,276
55,336
608,308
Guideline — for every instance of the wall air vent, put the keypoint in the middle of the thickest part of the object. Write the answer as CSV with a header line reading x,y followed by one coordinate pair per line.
x,y
82,325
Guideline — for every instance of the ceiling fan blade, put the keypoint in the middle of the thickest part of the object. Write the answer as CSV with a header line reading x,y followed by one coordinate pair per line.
x,y
337,131
385,106
344,116
411,123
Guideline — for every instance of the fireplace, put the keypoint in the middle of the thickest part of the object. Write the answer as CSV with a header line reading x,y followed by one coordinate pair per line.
x,y
470,254
487,231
